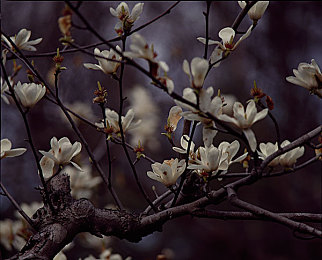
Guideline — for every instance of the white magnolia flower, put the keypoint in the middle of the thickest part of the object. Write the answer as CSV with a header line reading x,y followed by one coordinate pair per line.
x,y
266,150
82,182
113,121
206,104
168,172
6,150
211,161
4,87
228,104
140,49
107,66
127,20
231,150
227,35
184,141
10,234
21,40
308,76
175,114
289,159
245,119
107,254
61,153
147,111
199,68
256,11
83,109
29,93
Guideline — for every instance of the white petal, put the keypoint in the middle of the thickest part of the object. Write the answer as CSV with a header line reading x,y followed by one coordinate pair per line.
x,y
250,138
226,34
15,152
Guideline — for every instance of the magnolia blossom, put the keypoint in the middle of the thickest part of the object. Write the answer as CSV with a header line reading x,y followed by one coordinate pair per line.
x,y
266,150
227,35
147,111
4,87
112,119
29,93
184,141
10,234
206,104
231,150
140,49
289,159
83,109
256,11
168,172
21,40
197,74
308,76
82,183
107,66
6,150
107,254
210,160
245,119
175,114
127,20
228,104
61,153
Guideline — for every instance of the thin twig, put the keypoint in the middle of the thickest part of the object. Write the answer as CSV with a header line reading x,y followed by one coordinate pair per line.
x,y
30,140
263,213
243,215
18,208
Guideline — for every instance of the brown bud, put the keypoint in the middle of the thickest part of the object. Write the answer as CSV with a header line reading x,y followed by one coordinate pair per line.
x,y
269,102
58,59
257,92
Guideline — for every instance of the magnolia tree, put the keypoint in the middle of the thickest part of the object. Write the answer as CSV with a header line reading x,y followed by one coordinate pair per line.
x,y
212,150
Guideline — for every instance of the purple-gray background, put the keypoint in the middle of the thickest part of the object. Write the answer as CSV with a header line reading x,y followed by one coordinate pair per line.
x,y
288,33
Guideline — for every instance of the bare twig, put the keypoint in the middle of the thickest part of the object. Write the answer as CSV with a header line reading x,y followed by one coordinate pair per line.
x,y
16,205
263,213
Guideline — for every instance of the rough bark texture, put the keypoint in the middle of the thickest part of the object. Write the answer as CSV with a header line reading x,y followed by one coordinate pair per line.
x,y
56,229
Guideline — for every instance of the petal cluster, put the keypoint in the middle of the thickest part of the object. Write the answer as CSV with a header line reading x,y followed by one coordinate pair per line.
x,y
29,93
112,121
308,76
257,10
287,159
61,153
126,19
4,88
196,71
141,49
168,172
210,159
6,150
214,106
175,114
21,40
105,62
245,119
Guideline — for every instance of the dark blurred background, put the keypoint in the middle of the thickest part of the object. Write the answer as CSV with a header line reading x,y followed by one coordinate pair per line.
x,y
288,33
